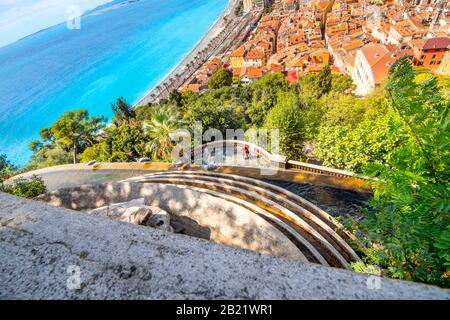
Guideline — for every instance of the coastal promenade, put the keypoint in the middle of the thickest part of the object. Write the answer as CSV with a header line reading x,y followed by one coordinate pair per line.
x,y
205,48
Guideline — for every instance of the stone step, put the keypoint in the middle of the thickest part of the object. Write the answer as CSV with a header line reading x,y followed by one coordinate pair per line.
x,y
326,249
319,225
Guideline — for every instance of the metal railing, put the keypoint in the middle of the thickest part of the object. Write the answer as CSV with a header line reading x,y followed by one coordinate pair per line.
x,y
303,166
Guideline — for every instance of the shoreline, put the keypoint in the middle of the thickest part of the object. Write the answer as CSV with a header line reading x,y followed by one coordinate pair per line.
x,y
202,44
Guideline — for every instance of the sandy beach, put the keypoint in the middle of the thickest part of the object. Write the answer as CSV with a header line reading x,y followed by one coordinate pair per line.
x,y
203,43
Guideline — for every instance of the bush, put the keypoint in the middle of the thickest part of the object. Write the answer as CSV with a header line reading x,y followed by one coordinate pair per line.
x,y
26,188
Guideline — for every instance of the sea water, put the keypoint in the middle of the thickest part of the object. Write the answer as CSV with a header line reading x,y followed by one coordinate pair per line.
x,y
119,51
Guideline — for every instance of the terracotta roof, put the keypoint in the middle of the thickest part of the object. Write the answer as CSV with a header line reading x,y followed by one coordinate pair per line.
x,y
255,54
276,67
194,87
322,5
239,52
349,59
295,63
354,44
380,61
292,76
418,43
437,43
335,69
254,73
238,72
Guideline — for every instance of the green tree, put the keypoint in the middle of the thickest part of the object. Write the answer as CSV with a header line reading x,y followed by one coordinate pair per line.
x,y
123,112
127,143
323,83
265,93
6,168
48,155
355,132
35,145
74,131
411,222
123,143
287,117
216,109
159,128
100,152
4,163
342,83
239,10
176,98
222,78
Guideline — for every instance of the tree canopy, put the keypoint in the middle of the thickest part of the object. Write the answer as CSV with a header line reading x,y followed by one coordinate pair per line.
x,y
265,95
73,131
222,78
123,112
287,117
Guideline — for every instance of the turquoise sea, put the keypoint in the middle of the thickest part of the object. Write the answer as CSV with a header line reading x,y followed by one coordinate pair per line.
x,y
124,51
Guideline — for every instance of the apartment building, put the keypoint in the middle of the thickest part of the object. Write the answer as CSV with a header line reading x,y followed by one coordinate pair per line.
x,y
430,52
371,67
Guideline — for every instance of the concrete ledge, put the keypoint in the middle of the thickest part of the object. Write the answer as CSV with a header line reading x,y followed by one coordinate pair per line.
x,y
120,261
78,174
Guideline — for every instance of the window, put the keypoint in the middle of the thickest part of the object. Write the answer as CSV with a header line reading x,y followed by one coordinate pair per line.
x,y
431,63
422,57
434,56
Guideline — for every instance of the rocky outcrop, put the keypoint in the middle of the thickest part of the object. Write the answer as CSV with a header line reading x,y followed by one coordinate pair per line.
x,y
137,215
55,253
136,212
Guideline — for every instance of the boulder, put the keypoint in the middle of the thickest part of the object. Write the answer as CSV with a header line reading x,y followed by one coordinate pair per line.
x,y
159,219
116,210
136,215
136,212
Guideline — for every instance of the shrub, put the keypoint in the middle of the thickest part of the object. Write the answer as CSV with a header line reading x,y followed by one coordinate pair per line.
x,y
26,188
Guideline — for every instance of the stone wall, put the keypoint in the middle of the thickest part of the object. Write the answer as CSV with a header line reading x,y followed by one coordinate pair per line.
x,y
44,249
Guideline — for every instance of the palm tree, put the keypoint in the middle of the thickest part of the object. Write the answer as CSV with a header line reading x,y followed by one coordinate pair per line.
x,y
162,124
177,78
158,87
191,65
166,87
